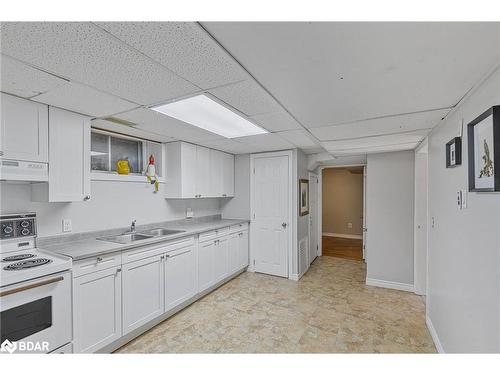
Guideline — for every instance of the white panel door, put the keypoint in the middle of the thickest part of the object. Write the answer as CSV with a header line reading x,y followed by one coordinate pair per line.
x,y
69,156
243,249
97,310
206,272
142,288
228,175
180,276
421,208
313,217
203,178
216,173
221,258
24,129
271,212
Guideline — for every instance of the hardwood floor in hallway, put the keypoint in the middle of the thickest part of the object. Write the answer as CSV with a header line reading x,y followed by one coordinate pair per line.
x,y
348,248
330,310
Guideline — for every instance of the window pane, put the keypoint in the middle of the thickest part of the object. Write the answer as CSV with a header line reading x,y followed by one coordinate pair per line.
x,y
126,149
99,159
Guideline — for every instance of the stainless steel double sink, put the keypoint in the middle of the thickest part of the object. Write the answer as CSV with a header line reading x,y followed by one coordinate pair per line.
x,y
139,236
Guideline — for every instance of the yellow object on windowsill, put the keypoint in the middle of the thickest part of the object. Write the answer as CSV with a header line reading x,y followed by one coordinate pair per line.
x,y
122,167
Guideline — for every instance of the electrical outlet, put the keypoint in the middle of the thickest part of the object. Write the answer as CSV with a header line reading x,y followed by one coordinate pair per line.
x,y
189,213
66,225
349,225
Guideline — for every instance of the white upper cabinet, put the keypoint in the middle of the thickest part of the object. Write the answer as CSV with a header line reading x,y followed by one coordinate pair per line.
x,y
69,159
198,172
24,133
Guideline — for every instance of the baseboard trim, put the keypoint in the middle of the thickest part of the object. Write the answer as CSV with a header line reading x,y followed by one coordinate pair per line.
x,y
390,284
341,235
294,277
434,334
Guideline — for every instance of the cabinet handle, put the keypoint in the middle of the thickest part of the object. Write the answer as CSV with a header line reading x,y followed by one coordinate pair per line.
x,y
118,270
1,153
167,256
98,259
86,198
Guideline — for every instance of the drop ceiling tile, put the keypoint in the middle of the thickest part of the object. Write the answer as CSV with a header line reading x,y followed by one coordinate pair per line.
x,y
149,120
23,80
380,126
313,150
247,97
265,142
228,145
376,149
277,121
377,141
129,130
85,53
183,47
299,138
84,99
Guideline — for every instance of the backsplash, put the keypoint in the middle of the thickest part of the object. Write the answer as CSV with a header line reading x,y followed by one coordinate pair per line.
x,y
113,204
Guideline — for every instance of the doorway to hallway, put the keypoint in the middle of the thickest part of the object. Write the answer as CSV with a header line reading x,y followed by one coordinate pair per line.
x,y
342,201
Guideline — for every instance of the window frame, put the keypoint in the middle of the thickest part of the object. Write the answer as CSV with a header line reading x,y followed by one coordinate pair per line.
x,y
110,175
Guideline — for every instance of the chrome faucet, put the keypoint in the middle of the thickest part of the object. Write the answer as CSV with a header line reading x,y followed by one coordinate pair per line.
x,y
132,226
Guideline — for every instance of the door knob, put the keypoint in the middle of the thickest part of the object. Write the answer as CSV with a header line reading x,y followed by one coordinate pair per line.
x,y
283,225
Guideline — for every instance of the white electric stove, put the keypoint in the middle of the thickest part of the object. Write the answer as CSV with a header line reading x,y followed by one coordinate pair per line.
x,y
35,289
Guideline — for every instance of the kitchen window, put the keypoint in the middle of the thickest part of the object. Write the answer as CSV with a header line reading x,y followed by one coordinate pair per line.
x,y
107,149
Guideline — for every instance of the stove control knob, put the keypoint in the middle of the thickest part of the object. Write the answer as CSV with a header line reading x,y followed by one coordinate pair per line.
x,y
7,229
25,223
25,232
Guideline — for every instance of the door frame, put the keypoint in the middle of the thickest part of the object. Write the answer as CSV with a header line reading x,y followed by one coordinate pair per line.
x,y
320,201
289,154
318,217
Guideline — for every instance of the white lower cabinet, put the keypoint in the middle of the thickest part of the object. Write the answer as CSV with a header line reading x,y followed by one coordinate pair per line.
x,y
243,249
238,251
143,292
180,276
206,272
221,261
97,310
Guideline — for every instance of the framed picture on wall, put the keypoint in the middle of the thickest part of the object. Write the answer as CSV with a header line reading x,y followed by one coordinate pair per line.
x,y
484,151
303,197
454,152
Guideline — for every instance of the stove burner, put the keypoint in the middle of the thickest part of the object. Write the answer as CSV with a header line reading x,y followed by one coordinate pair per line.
x,y
27,264
15,258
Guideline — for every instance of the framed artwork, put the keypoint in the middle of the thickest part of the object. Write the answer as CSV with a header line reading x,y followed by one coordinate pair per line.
x,y
484,151
303,197
454,152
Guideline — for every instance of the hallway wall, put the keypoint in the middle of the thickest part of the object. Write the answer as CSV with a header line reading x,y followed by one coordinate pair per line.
x,y
464,253
342,201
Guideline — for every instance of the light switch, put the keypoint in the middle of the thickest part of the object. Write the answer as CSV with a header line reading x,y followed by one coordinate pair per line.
x,y
349,225
66,225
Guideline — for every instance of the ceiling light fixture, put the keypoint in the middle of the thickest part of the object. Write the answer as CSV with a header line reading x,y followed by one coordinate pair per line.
x,y
205,113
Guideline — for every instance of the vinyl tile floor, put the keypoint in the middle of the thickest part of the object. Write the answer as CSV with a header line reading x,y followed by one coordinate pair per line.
x,y
330,310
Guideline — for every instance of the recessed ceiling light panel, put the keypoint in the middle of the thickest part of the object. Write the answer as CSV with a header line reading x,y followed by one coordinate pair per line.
x,y
207,114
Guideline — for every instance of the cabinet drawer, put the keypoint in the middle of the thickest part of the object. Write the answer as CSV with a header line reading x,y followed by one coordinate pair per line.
x,y
238,227
213,234
142,252
178,244
97,263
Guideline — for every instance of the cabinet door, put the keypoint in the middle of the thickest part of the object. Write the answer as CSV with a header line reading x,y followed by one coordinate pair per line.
x,y
233,253
203,178
228,175
180,276
216,173
24,130
69,156
188,170
143,291
206,273
243,249
96,310
221,259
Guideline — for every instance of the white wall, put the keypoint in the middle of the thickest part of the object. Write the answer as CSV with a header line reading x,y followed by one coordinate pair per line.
x,y
464,252
390,195
113,205
239,205
420,237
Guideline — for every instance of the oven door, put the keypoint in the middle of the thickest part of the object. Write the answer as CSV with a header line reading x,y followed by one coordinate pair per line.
x,y
36,314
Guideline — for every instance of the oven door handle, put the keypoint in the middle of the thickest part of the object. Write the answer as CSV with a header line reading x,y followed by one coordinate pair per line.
x,y
31,286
